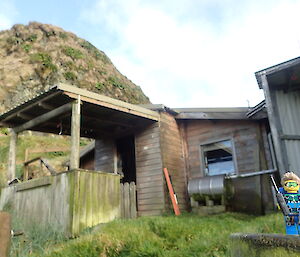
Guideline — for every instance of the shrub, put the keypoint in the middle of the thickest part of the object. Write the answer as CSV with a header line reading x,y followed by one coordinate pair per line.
x,y
14,41
45,59
32,38
87,45
70,76
63,35
116,82
101,56
26,47
72,52
99,85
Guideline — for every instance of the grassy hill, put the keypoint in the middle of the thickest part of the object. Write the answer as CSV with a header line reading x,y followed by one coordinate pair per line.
x,y
36,56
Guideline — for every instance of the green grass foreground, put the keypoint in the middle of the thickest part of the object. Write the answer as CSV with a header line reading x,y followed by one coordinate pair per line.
x,y
187,235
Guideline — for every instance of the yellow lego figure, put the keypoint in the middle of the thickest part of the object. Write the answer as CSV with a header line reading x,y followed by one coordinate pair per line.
x,y
290,190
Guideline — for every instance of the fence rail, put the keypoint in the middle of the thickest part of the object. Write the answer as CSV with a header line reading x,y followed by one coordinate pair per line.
x,y
128,200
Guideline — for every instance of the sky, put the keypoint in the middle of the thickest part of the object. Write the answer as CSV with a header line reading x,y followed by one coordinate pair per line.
x,y
182,53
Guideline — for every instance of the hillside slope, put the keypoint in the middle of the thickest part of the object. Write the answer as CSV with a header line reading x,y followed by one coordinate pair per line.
x,y
37,56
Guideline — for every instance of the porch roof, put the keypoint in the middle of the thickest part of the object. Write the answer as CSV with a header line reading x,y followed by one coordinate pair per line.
x,y
101,116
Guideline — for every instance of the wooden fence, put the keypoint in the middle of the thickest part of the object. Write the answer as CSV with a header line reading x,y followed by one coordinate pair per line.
x,y
70,201
128,200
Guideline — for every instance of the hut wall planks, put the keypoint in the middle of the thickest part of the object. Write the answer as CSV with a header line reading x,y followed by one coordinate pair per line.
x,y
173,159
149,176
246,137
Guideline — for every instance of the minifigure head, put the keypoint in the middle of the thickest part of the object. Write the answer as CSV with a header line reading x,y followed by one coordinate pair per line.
x,y
290,182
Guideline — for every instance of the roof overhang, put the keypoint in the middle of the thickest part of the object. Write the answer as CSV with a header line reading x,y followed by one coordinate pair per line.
x,y
101,116
238,113
258,112
285,75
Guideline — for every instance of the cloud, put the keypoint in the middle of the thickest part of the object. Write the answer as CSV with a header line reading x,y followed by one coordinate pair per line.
x,y
200,53
7,14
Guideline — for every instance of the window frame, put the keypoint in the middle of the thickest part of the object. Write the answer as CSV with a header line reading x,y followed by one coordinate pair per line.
x,y
212,141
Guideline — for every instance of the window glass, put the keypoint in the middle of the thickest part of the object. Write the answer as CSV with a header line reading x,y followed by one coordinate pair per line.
x,y
218,158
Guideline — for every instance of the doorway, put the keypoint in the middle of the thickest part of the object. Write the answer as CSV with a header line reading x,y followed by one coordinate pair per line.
x,y
126,158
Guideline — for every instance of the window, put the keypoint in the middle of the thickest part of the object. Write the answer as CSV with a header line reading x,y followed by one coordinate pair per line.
x,y
218,158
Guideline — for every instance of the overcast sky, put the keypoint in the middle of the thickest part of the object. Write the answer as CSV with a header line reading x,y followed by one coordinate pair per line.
x,y
183,53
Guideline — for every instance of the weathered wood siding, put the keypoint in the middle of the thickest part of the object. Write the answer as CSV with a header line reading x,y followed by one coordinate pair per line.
x,y
70,201
105,152
42,201
247,140
251,151
149,175
173,159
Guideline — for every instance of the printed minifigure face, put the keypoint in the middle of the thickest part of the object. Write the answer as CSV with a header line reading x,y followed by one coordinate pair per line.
x,y
291,186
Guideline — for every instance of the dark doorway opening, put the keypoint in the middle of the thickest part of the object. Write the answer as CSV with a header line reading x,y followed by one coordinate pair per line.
x,y
126,158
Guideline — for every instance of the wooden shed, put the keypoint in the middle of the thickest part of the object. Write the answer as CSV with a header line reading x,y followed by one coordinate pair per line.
x,y
139,141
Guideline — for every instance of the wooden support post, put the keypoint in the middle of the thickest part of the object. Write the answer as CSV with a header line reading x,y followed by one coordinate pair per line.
x,y
5,234
75,135
11,171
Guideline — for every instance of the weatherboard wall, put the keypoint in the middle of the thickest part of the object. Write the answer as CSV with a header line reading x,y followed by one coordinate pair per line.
x,y
174,159
149,175
251,154
247,141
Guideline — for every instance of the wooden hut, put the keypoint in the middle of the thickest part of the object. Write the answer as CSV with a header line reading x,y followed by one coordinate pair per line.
x,y
138,142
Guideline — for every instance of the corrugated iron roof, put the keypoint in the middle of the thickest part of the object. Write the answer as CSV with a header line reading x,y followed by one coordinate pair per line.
x,y
28,101
101,115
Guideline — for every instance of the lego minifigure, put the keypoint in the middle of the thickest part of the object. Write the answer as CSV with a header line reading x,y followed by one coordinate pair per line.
x,y
290,190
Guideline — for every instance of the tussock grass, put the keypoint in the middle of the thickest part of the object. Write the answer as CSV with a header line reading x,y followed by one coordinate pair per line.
x,y
35,239
169,236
